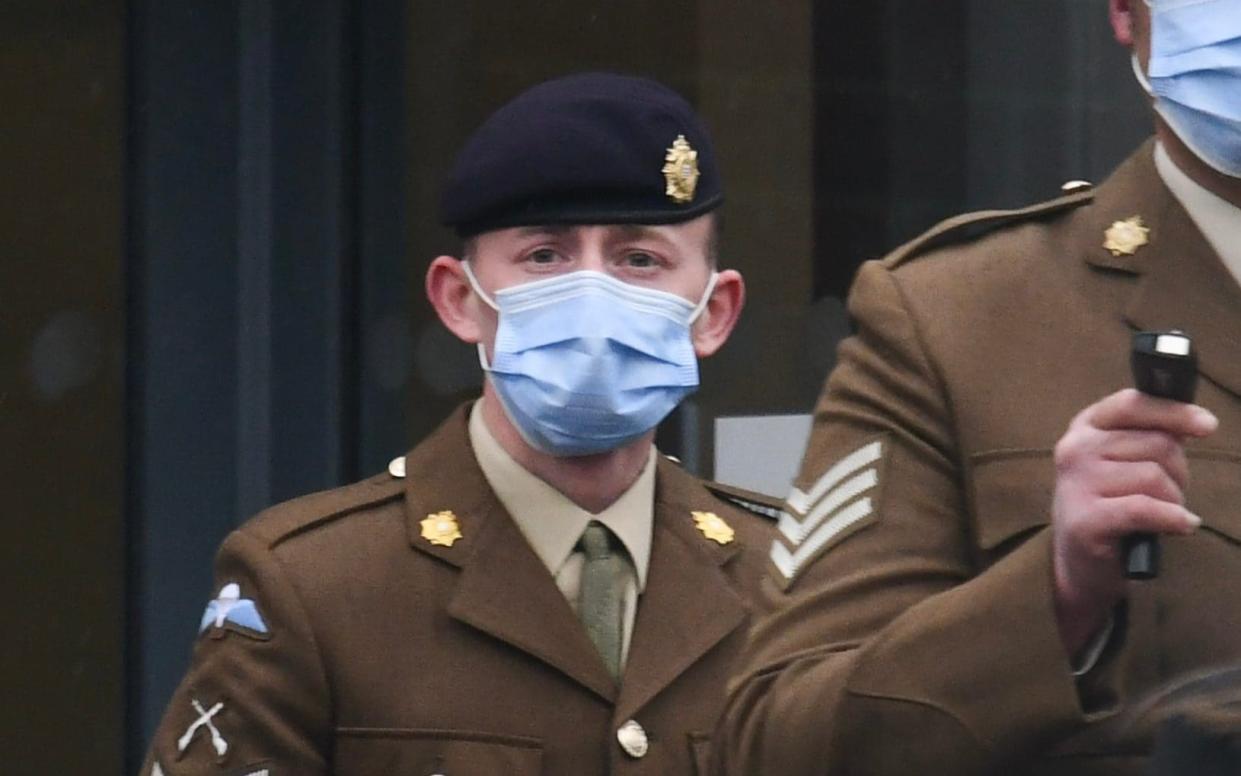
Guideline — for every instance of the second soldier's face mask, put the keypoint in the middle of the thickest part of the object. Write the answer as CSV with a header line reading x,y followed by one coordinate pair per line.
x,y
585,363
1194,75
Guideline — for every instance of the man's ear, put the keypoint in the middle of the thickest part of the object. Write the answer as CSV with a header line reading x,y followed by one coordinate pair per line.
x,y
1121,14
720,316
451,295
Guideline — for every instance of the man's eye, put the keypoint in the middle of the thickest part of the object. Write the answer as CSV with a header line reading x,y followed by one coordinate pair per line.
x,y
543,256
640,259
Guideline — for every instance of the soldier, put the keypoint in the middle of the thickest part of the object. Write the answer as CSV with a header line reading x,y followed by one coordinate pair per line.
x,y
532,589
951,593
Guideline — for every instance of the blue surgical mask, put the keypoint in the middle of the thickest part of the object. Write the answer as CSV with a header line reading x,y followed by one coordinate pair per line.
x,y
1195,76
584,363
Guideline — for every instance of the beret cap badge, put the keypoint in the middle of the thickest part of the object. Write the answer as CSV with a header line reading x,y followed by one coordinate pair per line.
x,y
681,171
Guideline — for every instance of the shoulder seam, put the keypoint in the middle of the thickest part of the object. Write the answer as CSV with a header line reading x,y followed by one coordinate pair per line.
x,y
979,223
309,524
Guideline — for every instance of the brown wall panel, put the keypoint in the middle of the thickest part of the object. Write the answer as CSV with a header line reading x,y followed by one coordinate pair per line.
x,y
61,400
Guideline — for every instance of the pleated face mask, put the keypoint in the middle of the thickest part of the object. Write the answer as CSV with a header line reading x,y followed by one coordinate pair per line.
x,y
585,363
1195,76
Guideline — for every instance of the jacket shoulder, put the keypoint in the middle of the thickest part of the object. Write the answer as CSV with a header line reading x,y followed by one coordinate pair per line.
x,y
970,227
291,518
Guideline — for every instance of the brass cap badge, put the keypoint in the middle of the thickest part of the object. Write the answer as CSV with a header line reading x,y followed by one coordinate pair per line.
x,y
441,528
713,527
1125,237
681,171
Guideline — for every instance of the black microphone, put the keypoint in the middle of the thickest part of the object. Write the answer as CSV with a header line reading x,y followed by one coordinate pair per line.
x,y
1164,364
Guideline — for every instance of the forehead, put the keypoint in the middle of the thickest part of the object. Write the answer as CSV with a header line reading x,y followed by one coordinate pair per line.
x,y
687,237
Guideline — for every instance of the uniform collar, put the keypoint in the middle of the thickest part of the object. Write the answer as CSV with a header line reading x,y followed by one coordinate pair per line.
x,y
551,523
1217,218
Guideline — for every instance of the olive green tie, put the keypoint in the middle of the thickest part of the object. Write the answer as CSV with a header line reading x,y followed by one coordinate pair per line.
x,y
599,599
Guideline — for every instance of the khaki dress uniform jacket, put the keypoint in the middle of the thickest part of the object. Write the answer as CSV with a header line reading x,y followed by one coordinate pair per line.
x,y
914,629
388,654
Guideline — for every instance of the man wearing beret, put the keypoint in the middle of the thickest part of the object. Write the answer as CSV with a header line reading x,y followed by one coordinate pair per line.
x,y
533,589
951,589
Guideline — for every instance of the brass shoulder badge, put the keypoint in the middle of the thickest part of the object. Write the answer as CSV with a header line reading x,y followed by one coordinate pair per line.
x,y
441,528
713,527
1123,238
681,171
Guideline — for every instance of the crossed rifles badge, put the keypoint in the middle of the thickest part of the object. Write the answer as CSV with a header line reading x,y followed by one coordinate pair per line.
x,y
204,722
681,171
1123,238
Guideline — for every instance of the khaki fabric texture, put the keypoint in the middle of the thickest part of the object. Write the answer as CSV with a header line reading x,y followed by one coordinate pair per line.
x,y
923,640
389,654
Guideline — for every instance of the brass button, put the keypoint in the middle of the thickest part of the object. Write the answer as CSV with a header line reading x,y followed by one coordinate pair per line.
x,y
633,740
397,468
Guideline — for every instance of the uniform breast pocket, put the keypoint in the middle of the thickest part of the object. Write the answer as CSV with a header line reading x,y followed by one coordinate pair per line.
x,y
422,752
1011,492
1010,498
1214,491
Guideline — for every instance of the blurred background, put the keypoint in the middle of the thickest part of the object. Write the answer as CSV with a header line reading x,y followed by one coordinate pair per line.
x,y
217,214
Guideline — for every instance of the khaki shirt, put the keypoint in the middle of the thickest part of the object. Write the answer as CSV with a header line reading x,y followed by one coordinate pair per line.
x,y
1219,219
552,524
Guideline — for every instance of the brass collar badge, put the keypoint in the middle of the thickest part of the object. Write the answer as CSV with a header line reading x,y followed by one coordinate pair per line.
x,y
441,528
681,171
1125,237
713,527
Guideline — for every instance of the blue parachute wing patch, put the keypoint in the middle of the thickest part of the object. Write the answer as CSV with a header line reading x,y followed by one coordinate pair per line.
x,y
246,614
229,608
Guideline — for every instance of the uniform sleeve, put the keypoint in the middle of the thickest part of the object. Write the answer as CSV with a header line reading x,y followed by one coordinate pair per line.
x,y
255,698
893,646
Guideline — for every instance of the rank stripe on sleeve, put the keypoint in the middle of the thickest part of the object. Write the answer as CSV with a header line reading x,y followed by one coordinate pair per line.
x,y
796,532
864,455
790,562
837,501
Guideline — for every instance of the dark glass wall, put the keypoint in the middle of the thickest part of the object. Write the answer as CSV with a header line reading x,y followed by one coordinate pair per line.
x,y
266,286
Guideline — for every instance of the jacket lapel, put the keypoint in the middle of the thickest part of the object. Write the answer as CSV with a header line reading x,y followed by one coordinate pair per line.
x,y
689,605
1183,284
503,589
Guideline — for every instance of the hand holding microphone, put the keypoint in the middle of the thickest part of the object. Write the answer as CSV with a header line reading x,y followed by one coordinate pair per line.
x,y
1164,365
1121,473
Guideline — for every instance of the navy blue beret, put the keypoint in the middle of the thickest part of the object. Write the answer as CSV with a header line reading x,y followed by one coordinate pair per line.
x,y
593,148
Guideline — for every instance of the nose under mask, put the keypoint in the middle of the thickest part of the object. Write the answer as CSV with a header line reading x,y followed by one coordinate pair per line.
x,y
585,363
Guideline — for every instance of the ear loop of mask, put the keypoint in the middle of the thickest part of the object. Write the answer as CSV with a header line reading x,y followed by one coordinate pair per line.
x,y
478,289
706,298
1143,81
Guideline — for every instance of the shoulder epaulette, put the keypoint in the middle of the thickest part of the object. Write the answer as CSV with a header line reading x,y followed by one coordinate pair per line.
x,y
751,501
290,518
970,226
